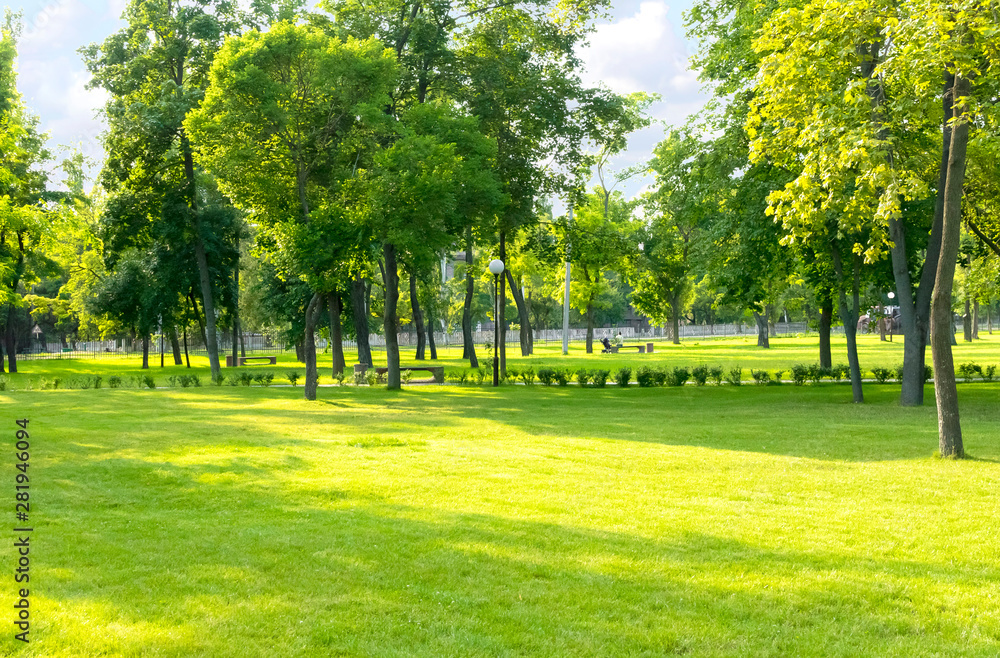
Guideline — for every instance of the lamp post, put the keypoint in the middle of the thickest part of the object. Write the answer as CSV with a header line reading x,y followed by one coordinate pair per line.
x,y
892,296
496,269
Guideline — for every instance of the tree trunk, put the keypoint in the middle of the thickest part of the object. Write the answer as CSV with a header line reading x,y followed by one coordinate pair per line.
x,y
590,326
10,341
675,321
197,315
825,322
359,307
762,330
967,321
468,346
915,319
946,392
175,346
300,354
391,287
527,340
849,316
431,345
145,351
309,346
501,349
336,334
418,316
975,319
187,357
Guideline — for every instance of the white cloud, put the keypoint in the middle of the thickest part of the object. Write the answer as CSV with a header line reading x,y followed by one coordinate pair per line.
x,y
644,52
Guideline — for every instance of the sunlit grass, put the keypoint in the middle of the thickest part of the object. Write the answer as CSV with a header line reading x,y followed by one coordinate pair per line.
x,y
763,521
727,352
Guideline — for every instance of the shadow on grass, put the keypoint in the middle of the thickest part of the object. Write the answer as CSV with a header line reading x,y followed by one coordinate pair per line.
x,y
816,422
252,565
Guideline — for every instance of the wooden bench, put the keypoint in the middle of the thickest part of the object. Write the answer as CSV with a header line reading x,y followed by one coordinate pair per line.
x,y
264,360
437,372
616,348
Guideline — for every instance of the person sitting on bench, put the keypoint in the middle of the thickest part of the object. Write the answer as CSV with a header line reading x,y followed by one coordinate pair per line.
x,y
607,345
618,339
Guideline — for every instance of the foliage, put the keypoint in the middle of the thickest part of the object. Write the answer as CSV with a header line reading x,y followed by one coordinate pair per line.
x,y
735,376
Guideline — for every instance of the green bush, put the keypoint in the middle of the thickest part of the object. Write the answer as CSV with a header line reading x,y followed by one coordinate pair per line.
x,y
601,377
660,376
262,378
480,375
3,383
841,371
645,376
114,381
463,376
623,376
882,375
218,379
405,376
340,377
678,376
547,376
735,376
989,372
969,370
583,377
528,376
371,377
778,377
233,379
97,381
800,373
700,375
762,377
928,372
715,373
562,377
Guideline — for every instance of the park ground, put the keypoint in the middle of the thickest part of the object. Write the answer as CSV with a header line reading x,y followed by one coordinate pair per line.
x,y
524,520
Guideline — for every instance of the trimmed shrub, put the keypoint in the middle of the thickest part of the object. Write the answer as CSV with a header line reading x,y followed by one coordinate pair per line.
x,y
528,376
601,377
218,379
114,381
340,377
700,375
547,376
561,377
969,370
292,376
583,377
623,376
262,378
480,375
246,378
715,373
800,373
660,376
762,377
678,376
735,376
989,372
778,376
645,376
3,383
841,371
882,375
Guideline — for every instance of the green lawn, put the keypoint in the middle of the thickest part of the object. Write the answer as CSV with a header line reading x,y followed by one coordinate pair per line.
x,y
457,521
726,352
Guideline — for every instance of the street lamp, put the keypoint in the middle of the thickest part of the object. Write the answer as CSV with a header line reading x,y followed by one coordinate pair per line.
x,y
496,269
892,296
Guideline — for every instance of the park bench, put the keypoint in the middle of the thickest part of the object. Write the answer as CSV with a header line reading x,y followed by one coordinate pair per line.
x,y
640,348
257,360
436,372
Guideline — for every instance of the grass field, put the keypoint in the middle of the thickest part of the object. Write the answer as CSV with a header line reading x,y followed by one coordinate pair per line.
x,y
727,352
468,521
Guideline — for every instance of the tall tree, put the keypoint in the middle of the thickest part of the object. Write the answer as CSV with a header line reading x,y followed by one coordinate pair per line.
x,y
155,72
301,103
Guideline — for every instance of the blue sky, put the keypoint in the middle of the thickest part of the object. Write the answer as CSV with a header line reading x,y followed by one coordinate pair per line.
x,y
642,49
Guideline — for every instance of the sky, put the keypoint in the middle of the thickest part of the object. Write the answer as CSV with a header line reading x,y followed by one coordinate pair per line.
x,y
642,48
